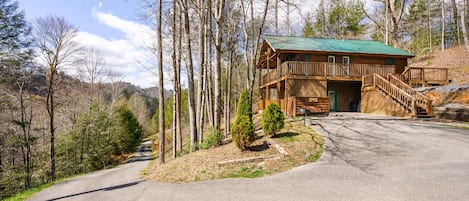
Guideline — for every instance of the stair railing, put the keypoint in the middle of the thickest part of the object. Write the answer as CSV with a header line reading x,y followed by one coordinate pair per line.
x,y
398,94
420,99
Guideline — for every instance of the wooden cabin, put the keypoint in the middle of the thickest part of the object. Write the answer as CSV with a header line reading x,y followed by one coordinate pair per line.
x,y
323,75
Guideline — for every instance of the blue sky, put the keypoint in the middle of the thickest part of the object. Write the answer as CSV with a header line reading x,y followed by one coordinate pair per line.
x,y
111,27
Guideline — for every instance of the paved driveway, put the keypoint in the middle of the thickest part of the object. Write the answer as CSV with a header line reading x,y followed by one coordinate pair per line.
x,y
365,159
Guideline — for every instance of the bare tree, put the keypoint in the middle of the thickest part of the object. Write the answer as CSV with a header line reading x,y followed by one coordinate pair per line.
x,y
90,68
53,37
442,25
394,10
464,30
251,40
202,29
219,13
176,80
159,49
190,74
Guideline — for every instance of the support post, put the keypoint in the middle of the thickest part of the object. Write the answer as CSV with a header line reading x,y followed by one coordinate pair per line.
x,y
278,80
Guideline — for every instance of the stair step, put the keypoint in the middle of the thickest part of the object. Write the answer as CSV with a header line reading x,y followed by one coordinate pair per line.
x,y
425,116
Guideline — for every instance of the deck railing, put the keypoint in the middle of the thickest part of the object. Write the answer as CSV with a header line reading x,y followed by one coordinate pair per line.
x,y
303,68
418,74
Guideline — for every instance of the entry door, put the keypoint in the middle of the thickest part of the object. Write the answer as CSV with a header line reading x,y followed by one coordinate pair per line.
x,y
346,65
332,94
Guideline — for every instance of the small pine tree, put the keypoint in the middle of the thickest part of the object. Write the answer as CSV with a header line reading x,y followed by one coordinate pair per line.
x,y
243,132
272,119
244,105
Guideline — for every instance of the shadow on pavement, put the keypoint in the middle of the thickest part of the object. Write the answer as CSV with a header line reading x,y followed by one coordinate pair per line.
x,y
101,189
143,154
347,142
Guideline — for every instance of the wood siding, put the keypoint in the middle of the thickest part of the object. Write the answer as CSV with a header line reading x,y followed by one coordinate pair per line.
x,y
306,88
348,93
375,102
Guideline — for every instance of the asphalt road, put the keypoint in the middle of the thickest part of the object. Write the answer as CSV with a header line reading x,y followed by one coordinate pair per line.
x,y
364,160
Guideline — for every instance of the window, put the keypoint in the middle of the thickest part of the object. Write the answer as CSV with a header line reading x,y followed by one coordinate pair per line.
x,y
307,57
330,59
291,57
346,60
389,61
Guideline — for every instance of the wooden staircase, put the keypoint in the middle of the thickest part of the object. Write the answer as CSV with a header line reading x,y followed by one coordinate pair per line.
x,y
401,93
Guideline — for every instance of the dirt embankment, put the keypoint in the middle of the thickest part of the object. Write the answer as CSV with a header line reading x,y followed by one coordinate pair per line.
x,y
455,59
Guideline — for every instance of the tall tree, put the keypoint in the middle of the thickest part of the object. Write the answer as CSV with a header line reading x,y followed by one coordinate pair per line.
x,y
184,5
159,48
455,22
464,31
15,56
252,39
53,37
308,29
202,29
395,9
219,13
90,68
442,25
176,82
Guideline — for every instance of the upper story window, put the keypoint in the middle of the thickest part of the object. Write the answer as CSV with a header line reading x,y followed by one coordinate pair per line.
x,y
330,59
389,61
291,57
346,60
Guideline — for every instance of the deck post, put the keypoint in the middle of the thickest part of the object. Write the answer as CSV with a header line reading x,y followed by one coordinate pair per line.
x,y
278,79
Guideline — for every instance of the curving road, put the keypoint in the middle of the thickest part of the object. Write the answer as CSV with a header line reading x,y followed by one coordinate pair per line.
x,y
365,159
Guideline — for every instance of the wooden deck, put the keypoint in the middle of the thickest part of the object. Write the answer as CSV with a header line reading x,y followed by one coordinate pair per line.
x,y
322,70
425,76
352,72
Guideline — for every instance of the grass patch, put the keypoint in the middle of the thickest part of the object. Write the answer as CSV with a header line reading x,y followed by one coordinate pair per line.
x,y
287,138
314,156
24,195
246,172
458,126
147,169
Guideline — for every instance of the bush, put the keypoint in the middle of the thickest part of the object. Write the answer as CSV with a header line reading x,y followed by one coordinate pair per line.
x,y
272,119
244,105
243,132
213,138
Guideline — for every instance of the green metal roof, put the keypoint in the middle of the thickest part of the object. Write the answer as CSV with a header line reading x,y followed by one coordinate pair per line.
x,y
333,45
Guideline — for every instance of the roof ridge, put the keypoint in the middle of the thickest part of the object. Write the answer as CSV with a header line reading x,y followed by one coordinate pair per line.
x,y
321,38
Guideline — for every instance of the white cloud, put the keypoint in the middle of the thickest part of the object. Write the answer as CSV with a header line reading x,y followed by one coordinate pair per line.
x,y
128,55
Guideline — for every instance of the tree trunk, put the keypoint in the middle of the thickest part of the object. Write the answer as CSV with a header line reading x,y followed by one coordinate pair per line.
x,y
442,25
430,43
178,75
200,91
464,31
456,21
175,81
219,12
160,82
190,75
276,17
50,104
255,47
